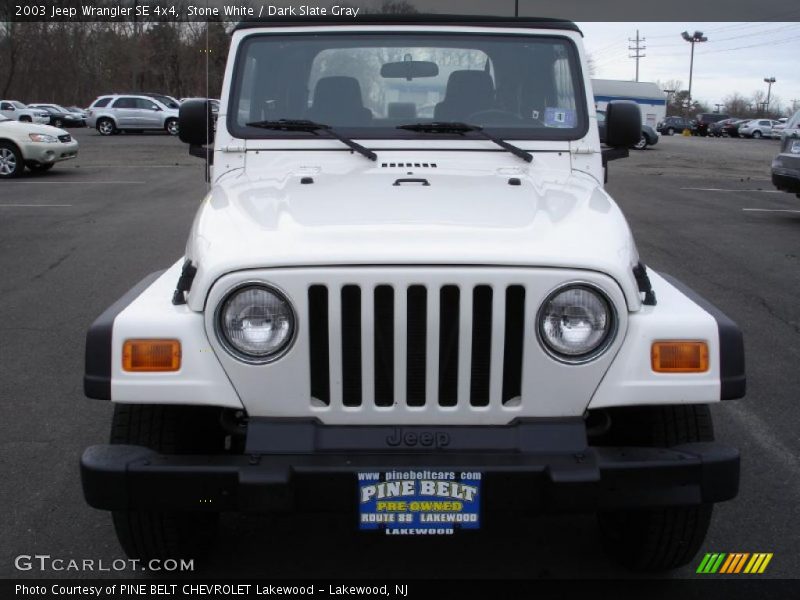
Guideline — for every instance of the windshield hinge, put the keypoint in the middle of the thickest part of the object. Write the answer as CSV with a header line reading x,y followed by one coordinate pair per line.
x,y
644,285
184,283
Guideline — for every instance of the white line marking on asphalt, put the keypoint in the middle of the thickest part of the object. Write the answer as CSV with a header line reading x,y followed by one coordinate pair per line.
x,y
771,210
723,190
32,205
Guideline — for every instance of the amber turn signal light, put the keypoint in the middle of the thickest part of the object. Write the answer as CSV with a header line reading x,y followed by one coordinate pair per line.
x,y
679,357
151,355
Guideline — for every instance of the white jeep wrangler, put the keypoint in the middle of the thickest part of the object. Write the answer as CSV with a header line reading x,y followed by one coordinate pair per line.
x,y
407,285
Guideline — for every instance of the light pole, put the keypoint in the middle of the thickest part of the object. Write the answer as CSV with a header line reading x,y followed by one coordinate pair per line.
x,y
718,107
769,81
694,38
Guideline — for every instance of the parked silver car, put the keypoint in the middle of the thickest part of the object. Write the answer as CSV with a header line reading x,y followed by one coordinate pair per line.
x,y
113,113
757,128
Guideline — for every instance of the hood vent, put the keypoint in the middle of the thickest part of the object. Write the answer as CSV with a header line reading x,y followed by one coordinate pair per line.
x,y
408,165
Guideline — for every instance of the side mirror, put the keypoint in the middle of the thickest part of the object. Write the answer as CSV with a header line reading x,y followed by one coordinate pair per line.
x,y
195,122
623,124
196,128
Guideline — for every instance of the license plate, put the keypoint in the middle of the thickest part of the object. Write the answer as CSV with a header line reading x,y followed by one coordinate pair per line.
x,y
795,149
424,501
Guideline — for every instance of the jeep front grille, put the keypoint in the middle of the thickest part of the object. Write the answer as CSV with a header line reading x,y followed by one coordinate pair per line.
x,y
411,346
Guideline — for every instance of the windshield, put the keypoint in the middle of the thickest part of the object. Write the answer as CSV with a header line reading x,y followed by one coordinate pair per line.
x,y
18,104
365,85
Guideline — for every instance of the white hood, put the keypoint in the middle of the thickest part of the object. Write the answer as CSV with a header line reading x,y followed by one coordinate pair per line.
x,y
354,214
18,127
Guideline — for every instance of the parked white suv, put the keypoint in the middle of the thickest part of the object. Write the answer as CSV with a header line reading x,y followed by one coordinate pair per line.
x,y
32,145
16,110
111,114
416,319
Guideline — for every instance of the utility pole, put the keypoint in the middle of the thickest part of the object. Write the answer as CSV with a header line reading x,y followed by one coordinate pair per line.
x,y
769,81
135,69
719,106
636,48
516,8
694,38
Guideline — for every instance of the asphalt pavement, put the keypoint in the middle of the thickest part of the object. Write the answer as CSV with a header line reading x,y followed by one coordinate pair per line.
x,y
75,239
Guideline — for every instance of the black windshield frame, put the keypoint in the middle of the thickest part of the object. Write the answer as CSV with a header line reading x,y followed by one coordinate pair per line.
x,y
391,133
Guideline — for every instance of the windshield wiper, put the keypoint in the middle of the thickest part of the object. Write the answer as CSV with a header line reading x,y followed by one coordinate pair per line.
x,y
462,128
312,127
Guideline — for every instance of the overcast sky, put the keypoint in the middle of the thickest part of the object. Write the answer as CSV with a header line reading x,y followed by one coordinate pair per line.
x,y
736,58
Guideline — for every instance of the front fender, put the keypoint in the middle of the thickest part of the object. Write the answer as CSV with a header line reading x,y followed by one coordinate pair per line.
x,y
146,311
681,314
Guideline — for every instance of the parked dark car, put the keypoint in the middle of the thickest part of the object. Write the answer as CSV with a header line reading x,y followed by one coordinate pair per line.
x,y
718,129
78,110
731,129
704,121
786,166
649,135
60,116
673,125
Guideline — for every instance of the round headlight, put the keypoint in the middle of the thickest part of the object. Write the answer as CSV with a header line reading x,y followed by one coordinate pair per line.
x,y
256,323
576,323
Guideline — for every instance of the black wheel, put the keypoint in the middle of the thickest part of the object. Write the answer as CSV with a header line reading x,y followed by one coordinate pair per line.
x,y
58,123
659,539
641,144
171,430
757,134
24,119
670,131
39,167
171,126
11,163
106,127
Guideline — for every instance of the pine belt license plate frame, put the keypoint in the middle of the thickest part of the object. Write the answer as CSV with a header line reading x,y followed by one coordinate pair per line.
x,y
419,501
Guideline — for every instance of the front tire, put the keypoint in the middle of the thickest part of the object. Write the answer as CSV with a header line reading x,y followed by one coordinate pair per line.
x,y
11,163
145,534
757,134
58,123
25,120
670,131
659,539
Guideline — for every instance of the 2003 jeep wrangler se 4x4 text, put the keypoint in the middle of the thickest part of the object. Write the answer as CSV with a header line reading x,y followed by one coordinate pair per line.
x,y
407,286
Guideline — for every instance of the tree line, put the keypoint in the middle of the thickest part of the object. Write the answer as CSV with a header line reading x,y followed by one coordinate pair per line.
x,y
72,63
735,104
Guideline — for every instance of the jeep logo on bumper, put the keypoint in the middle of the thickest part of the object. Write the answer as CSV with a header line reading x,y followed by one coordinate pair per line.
x,y
429,439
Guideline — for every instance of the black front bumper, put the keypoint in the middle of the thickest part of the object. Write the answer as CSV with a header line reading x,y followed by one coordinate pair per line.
x,y
531,464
